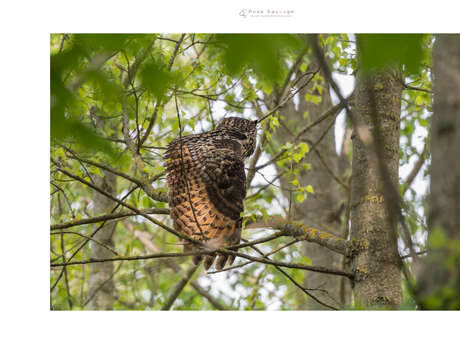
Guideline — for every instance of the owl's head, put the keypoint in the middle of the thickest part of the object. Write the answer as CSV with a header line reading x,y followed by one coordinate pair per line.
x,y
246,131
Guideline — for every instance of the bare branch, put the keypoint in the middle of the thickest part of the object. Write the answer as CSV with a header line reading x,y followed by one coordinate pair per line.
x,y
145,238
89,238
159,102
305,290
416,169
137,211
207,252
179,287
106,217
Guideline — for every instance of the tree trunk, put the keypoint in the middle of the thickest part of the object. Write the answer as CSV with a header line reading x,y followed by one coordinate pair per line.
x,y
322,207
439,280
101,287
375,259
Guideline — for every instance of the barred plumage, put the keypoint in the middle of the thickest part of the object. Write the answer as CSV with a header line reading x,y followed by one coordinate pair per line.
x,y
206,180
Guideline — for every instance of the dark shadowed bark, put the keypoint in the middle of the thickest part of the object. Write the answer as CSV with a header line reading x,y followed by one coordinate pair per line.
x,y
375,258
439,280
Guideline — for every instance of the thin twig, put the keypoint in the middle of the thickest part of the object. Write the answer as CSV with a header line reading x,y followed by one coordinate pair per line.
x,y
159,101
296,283
137,211
288,98
408,87
89,238
106,217
416,169
150,246
86,240
233,267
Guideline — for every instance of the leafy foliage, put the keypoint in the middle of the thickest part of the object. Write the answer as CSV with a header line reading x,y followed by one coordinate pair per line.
x,y
380,50
113,108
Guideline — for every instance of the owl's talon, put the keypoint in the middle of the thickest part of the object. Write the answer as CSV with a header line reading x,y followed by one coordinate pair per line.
x,y
221,260
197,259
231,259
208,260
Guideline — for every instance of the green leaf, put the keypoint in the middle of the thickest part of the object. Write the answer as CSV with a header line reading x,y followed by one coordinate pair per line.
x,y
301,196
297,157
419,100
306,166
155,78
260,52
102,42
309,189
304,148
438,238
313,99
376,51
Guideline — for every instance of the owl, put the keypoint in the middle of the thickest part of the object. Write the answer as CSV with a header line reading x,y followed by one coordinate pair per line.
x,y
207,185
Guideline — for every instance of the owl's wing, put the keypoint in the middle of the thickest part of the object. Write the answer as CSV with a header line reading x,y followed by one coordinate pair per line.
x,y
225,182
224,177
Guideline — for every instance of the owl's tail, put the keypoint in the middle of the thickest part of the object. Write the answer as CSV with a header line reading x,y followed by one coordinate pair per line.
x,y
221,261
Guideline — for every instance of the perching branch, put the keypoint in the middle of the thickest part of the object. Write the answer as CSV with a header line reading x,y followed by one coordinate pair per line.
x,y
208,252
233,267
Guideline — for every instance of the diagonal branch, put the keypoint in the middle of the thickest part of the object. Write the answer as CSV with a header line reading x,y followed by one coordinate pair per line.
x,y
296,283
88,238
145,239
106,217
179,287
416,169
137,211
159,102
333,111
145,184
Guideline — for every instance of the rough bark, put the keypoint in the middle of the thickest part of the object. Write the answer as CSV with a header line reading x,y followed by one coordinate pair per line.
x,y
375,259
439,280
101,287
322,207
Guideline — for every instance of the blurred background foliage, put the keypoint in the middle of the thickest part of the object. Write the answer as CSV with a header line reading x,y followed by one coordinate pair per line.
x,y
97,78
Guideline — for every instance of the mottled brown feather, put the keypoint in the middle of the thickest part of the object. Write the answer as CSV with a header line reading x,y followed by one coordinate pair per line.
x,y
206,180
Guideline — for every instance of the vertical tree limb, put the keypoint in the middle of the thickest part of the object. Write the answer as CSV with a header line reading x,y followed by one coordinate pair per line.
x,y
375,260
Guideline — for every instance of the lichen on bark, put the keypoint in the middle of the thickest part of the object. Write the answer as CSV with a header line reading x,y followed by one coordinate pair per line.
x,y
375,261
